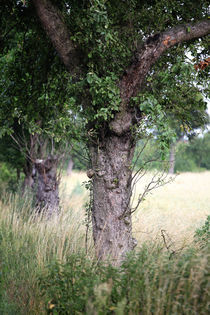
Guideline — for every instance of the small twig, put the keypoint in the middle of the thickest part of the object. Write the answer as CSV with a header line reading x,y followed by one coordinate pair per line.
x,y
168,246
153,184
139,154
171,251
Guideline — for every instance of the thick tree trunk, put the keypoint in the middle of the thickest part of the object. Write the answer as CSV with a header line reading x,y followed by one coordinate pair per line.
x,y
111,215
172,158
47,194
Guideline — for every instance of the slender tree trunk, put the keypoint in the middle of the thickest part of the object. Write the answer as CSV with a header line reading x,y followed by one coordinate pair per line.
x,y
29,169
47,194
111,215
29,180
70,167
172,157
18,174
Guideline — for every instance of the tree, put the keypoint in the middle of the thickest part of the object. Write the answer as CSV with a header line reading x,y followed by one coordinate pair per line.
x,y
108,51
34,106
199,150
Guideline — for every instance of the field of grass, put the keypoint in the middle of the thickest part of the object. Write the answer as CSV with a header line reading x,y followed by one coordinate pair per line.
x,y
44,268
179,207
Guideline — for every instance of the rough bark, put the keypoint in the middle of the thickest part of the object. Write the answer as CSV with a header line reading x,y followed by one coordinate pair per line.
x,y
111,216
172,158
47,192
53,24
133,78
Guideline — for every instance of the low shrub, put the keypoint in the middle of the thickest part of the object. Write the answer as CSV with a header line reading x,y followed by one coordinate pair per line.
x,y
8,179
202,235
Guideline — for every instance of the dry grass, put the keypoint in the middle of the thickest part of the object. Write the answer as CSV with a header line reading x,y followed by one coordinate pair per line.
x,y
30,243
54,239
178,207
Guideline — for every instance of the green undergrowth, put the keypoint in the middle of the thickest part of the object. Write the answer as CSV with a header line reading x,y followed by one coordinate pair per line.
x,y
36,277
146,283
202,235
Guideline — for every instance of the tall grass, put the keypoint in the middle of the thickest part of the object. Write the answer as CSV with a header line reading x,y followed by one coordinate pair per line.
x,y
29,242
44,268
147,283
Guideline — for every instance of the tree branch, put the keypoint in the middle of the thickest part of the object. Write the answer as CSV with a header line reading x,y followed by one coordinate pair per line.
x,y
153,48
53,24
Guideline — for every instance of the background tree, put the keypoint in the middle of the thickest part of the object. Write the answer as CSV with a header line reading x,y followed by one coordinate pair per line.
x,y
194,154
175,90
34,106
109,50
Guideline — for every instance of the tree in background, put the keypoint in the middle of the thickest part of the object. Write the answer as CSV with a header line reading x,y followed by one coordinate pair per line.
x,y
194,155
176,89
34,106
108,51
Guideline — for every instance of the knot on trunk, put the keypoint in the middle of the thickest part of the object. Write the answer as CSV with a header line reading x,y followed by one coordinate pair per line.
x,y
90,173
125,120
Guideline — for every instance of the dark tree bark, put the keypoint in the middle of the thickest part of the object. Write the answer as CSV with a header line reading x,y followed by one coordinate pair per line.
x,y
47,192
18,174
111,217
111,158
54,26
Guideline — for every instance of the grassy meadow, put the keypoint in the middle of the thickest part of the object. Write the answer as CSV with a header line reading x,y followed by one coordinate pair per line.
x,y
179,207
44,267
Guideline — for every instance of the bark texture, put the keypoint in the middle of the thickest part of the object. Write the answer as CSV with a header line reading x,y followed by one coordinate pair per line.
x,y
47,194
111,217
52,22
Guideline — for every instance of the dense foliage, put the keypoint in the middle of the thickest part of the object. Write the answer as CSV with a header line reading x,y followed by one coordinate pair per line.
x,y
42,98
202,234
107,37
